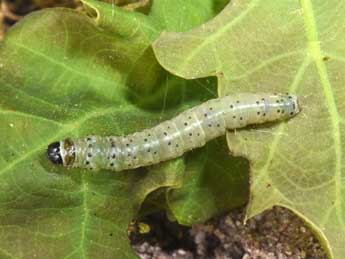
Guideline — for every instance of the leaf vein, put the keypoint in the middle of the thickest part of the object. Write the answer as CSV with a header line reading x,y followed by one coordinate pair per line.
x,y
316,53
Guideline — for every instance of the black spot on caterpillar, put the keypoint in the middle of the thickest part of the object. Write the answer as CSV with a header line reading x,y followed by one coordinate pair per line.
x,y
190,129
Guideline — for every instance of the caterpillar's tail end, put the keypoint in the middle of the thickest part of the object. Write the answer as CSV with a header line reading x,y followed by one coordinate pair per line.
x,y
296,106
54,154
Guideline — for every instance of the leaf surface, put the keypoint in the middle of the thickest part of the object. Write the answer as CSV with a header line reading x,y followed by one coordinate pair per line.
x,y
280,46
64,74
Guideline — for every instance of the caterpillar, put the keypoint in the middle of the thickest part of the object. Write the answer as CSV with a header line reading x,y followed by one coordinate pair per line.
x,y
170,139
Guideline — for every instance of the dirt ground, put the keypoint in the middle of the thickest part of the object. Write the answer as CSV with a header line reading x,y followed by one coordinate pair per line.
x,y
276,234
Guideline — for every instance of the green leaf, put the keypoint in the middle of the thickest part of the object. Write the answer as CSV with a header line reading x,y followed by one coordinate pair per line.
x,y
64,74
212,184
280,46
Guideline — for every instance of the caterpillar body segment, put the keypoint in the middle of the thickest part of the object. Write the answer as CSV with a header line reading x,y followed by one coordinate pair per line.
x,y
169,139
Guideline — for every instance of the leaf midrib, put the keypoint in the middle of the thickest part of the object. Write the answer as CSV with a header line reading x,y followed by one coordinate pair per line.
x,y
85,216
317,54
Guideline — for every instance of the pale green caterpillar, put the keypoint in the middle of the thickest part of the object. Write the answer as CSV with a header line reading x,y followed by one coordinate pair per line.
x,y
170,139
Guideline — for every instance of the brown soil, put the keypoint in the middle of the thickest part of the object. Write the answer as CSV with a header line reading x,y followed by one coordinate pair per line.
x,y
276,234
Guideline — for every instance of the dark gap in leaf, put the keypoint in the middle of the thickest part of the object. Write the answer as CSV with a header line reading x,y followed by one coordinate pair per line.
x,y
168,235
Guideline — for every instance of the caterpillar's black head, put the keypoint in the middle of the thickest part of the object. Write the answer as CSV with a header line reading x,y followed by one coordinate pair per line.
x,y
62,153
54,153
